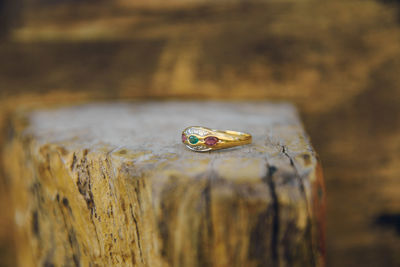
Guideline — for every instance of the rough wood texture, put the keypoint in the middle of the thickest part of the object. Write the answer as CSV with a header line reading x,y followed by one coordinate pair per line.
x,y
103,184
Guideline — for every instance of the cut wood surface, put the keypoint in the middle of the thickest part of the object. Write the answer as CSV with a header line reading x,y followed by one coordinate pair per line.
x,y
111,184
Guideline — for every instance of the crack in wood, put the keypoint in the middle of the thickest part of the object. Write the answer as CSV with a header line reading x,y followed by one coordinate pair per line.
x,y
84,187
71,238
205,229
308,231
73,162
275,220
137,233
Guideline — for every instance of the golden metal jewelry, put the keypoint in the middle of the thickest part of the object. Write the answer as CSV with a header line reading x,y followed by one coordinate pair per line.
x,y
203,139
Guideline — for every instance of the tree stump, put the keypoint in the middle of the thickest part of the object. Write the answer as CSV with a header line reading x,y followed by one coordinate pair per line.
x,y
111,184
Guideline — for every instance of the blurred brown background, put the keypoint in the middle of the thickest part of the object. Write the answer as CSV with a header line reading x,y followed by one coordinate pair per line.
x,y
338,61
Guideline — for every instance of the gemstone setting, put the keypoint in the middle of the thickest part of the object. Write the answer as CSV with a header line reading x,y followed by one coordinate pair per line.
x,y
184,138
193,139
211,140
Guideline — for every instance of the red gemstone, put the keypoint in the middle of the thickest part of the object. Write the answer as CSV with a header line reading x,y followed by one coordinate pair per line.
x,y
211,140
184,138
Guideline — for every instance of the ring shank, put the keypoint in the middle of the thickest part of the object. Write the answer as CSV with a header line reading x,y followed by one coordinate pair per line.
x,y
234,138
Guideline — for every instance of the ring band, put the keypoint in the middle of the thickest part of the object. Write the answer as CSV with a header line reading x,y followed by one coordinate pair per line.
x,y
202,139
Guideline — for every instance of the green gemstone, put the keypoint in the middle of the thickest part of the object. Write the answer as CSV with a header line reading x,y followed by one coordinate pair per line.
x,y
193,139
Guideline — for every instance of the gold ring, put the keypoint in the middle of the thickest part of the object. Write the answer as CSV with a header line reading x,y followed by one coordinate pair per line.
x,y
202,139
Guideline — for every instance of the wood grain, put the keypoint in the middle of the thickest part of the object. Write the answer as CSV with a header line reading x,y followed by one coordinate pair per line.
x,y
111,184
